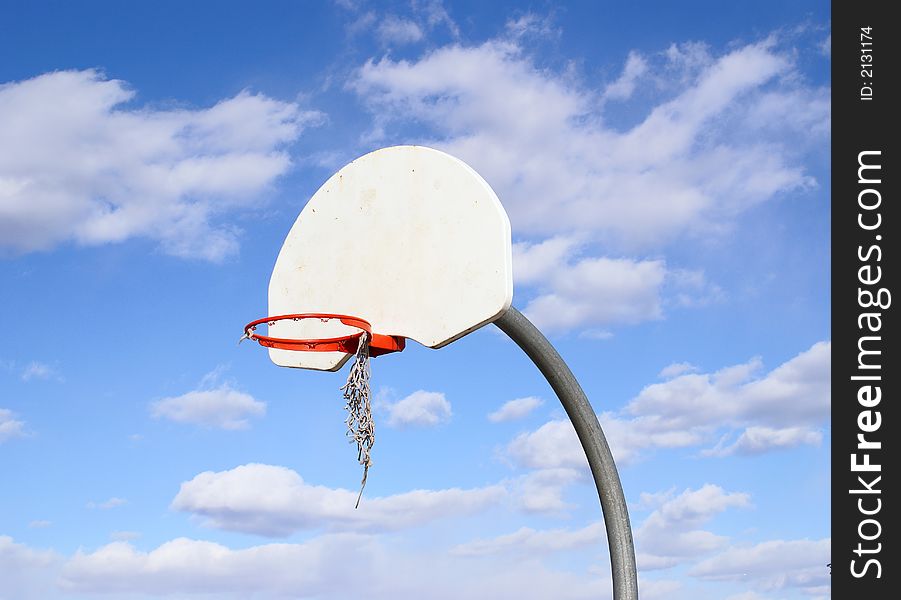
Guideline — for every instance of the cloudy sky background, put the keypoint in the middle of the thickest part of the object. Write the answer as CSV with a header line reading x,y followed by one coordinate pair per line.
x,y
665,168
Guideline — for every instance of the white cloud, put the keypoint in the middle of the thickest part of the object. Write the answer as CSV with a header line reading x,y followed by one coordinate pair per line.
x,y
9,426
746,596
508,565
318,568
222,407
578,291
768,114
395,30
185,566
38,370
777,410
756,440
796,392
622,88
596,334
628,437
599,291
772,565
425,16
530,24
276,501
728,135
107,504
694,162
537,262
39,524
515,409
420,409
658,589
214,378
436,15
690,288
363,22
675,369
270,570
553,445
527,541
25,573
670,535
541,491
652,562
79,163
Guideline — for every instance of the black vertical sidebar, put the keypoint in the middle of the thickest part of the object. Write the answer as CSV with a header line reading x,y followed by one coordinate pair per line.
x,y
865,363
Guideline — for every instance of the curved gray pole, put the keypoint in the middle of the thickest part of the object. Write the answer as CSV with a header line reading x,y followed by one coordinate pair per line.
x,y
585,421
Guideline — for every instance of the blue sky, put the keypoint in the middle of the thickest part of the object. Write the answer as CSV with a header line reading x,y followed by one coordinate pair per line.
x,y
665,168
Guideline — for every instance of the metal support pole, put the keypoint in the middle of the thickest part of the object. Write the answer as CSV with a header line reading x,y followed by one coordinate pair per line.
x,y
585,421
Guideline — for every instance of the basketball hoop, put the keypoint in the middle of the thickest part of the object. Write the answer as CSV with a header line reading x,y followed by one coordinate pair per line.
x,y
442,268
361,343
378,344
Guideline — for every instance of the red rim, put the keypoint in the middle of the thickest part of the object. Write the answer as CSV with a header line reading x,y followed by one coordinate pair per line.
x,y
379,344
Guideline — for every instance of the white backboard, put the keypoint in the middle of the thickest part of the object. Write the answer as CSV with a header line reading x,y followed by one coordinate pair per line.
x,y
408,238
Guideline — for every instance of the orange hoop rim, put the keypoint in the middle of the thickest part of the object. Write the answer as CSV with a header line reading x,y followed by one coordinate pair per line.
x,y
379,344
344,343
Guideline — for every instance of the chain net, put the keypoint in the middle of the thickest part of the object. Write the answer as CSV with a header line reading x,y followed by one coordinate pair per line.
x,y
358,403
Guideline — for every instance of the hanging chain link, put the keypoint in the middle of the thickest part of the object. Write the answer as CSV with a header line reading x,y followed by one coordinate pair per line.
x,y
358,403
